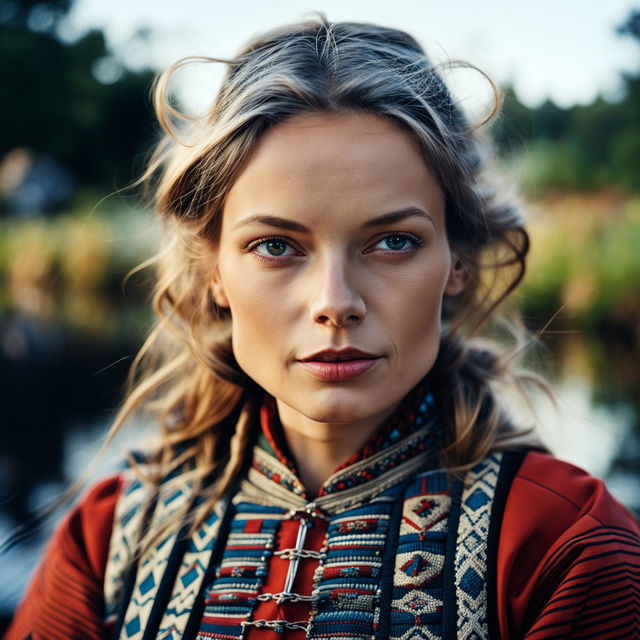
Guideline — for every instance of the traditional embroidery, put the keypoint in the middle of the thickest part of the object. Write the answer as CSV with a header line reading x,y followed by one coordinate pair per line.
x,y
417,601
405,423
153,563
276,472
346,583
124,537
192,570
231,598
347,590
471,547
394,464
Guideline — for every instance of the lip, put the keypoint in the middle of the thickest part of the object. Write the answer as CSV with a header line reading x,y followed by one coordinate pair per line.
x,y
347,352
336,371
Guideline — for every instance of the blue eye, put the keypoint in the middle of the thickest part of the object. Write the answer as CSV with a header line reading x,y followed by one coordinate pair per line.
x,y
277,247
397,242
273,248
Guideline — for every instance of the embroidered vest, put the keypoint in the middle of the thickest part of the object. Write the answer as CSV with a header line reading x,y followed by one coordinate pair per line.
x,y
405,554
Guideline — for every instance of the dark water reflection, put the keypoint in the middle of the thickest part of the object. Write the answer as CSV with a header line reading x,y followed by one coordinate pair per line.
x,y
59,394
602,374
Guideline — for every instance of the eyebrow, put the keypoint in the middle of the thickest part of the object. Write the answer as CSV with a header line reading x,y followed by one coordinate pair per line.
x,y
379,221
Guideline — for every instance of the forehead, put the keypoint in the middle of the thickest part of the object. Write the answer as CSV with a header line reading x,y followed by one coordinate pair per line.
x,y
350,163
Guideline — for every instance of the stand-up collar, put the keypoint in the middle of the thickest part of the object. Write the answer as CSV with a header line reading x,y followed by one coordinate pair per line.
x,y
408,433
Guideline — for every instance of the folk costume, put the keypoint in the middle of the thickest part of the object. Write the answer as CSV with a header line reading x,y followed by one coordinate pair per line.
x,y
524,546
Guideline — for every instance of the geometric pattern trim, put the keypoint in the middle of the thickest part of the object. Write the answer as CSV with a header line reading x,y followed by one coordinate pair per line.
x,y
346,592
346,585
124,538
471,547
171,498
413,454
189,577
418,582
231,597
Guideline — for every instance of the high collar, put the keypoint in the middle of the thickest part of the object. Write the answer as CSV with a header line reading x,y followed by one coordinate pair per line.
x,y
408,433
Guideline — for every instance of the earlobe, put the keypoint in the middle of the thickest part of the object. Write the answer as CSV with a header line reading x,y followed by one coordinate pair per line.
x,y
217,289
457,278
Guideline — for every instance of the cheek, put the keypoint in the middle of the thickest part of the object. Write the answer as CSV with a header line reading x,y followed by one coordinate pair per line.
x,y
416,297
259,322
412,312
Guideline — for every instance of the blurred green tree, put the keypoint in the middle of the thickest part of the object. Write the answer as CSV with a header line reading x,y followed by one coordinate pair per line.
x,y
580,147
73,101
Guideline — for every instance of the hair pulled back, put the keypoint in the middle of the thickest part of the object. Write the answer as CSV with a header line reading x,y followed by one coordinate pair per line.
x,y
186,374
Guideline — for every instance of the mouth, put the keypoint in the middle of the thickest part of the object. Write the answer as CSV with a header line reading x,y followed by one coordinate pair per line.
x,y
330,358
340,355
333,365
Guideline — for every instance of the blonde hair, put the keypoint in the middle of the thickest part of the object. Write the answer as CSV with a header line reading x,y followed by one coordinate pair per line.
x,y
186,375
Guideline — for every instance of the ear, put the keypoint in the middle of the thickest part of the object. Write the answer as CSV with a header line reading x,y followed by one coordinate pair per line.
x,y
217,288
457,279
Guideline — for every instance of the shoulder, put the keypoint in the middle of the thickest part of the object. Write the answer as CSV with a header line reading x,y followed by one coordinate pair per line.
x,y
89,524
564,544
102,496
82,538
544,485
67,586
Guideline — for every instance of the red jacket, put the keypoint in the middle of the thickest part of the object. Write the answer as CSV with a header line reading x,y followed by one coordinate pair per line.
x,y
568,563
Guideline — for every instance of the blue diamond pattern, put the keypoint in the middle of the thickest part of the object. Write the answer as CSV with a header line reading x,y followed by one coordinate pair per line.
x,y
147,584
133,626
471,582
477,499
189,577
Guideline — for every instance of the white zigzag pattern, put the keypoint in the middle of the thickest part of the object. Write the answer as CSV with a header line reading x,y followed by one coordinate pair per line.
x,y
195,559
471,547
417,633
126,527
153,563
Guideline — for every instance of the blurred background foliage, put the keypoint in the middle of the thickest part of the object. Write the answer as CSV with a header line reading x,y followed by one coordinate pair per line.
x,y
76,125
70,102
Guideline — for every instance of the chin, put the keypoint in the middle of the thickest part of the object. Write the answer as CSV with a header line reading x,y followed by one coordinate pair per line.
x,y
343,405
334,415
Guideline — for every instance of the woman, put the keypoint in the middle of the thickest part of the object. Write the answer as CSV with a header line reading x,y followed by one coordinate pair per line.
x,y
335,459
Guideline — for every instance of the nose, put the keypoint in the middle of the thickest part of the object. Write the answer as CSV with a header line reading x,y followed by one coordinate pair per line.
x,y
335,298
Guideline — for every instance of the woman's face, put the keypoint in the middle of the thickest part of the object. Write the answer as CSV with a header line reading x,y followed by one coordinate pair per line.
x,y
333,238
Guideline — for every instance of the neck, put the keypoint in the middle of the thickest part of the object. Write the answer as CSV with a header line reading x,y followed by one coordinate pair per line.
x,y
318,448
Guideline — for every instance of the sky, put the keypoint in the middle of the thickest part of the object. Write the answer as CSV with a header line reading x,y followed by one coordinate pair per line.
x,y
566,50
